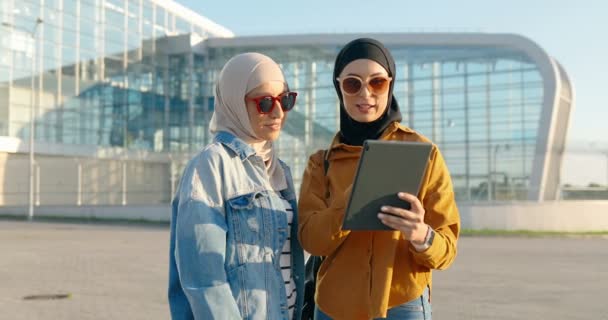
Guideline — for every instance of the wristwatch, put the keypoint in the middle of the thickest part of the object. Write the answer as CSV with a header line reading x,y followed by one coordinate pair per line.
x,y
430,236
428,240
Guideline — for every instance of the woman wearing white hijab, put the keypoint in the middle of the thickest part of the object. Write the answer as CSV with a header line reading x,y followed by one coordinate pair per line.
x,y
232,253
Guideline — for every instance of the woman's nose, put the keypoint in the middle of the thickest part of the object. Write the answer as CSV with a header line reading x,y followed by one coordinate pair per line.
x,y
365,91
277,111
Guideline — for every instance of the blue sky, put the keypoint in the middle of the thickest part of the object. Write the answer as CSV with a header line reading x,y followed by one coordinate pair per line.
x,y
574,32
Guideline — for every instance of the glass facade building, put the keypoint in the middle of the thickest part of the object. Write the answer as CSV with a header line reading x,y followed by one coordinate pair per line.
x,y
496,105
105,77
104,70
126,89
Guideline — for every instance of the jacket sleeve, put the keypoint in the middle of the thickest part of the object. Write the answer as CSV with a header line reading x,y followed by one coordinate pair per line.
x,y
200,245
441,213
320,220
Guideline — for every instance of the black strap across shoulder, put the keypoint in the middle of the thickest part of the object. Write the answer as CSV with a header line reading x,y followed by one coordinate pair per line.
x,y
312,265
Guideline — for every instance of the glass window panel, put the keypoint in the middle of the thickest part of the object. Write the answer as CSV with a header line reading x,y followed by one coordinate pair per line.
x,y
148,12
148,48
4,78
504,65
88,42
147,31
117,3
51,64
70,6
88,27
114,41
51,17
133,7
68,56
52,4
69,23
451,68
476,83
88,13
89,72
170,21
5,40
86,55
69,38
133,42
25,11
532,76
133,24
182,26
52,35
5,57
50,86
21,62
114,18
421,70
113,67
68,81
476,68
160,17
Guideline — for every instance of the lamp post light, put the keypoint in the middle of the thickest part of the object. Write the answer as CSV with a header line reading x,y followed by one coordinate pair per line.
x,y
32,34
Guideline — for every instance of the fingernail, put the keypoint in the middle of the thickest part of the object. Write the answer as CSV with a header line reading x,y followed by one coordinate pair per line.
x,y
401,194
384,208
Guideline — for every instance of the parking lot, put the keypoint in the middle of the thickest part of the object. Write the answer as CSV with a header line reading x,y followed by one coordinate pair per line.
x,y
120,272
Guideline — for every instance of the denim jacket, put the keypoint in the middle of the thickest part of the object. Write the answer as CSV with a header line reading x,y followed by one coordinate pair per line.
x,y
227,236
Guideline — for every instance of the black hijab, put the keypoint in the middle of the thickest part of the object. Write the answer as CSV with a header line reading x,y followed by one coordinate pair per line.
x,y
353,132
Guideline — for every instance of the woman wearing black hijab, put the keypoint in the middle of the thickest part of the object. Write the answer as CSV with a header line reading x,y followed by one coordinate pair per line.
x,y
374,274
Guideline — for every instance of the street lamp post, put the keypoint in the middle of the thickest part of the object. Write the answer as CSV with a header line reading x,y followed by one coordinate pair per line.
x,y
32,34
606,154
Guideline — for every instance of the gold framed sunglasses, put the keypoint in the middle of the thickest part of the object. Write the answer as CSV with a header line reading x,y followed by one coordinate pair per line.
x,y
351,85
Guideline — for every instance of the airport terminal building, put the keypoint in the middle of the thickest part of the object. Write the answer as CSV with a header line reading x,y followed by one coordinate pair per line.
x,y
121,93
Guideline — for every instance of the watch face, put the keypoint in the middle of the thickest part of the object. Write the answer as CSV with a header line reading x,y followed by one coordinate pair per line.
x,y
431,237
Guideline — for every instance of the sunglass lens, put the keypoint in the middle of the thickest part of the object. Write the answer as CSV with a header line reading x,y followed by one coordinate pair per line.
x,y
379,85
266,104
288,101
351,85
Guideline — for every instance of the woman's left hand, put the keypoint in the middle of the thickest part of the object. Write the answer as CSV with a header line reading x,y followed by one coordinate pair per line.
x,y
409,222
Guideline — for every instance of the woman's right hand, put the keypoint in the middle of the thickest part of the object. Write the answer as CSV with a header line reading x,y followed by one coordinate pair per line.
x,y
409,222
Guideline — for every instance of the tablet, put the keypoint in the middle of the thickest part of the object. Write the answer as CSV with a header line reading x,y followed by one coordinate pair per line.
x,y
385,168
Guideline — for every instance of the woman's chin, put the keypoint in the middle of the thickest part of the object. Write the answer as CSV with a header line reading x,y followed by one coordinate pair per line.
x,y
270,135
365,117
363,114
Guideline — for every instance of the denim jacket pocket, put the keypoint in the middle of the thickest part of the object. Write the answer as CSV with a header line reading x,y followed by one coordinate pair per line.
x,y
247,215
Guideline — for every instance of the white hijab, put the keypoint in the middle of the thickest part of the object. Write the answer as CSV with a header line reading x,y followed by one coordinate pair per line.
x,y
240,75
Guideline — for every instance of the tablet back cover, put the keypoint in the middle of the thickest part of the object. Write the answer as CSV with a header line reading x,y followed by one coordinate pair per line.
x,y
385,168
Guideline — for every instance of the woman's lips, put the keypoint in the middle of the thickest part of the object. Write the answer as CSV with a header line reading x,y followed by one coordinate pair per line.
x,y
365,107
274,126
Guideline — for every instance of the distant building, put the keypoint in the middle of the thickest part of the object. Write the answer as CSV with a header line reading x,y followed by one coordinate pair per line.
x,y
124,94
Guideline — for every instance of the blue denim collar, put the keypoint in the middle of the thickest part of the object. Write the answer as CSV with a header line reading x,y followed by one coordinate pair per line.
x,y
238,146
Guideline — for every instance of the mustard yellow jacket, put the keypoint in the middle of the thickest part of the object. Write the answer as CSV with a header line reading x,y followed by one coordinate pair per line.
x,y
366,272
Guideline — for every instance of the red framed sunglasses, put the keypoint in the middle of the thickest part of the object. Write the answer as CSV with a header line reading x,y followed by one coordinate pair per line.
x,y
265,104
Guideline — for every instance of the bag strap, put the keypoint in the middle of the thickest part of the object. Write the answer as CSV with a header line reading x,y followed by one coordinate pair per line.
x,y
326,161
325,168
